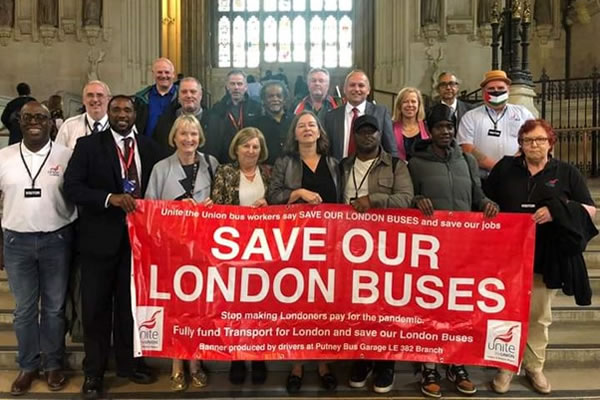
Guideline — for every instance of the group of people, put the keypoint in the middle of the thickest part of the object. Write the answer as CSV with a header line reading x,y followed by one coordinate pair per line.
x,y
74,193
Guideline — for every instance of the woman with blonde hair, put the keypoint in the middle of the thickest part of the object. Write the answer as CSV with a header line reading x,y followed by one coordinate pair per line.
x,y
185,175
408,117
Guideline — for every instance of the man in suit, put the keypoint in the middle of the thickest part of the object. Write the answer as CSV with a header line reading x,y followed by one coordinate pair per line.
x,y
448,86
338,122
106,173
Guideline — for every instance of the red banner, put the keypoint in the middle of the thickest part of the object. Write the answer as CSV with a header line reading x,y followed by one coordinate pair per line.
x,y
325,282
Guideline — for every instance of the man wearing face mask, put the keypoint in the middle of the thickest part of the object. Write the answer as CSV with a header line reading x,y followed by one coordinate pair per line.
x,y
489,132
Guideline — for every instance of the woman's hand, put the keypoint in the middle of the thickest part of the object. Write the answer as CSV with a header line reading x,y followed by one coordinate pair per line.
x,y
189,200
542,215
207,202
490,209
259,203
306,195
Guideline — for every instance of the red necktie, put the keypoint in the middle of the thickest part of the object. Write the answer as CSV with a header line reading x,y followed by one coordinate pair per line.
x,y
351,145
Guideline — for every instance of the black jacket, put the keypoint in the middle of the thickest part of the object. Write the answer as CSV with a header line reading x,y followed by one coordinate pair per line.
x,y
165,123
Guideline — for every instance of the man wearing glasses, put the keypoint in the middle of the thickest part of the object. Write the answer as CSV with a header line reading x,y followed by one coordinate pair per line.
x,y
36,235
447,87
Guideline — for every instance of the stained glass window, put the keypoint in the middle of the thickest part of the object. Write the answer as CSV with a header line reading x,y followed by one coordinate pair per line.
x,y
251,32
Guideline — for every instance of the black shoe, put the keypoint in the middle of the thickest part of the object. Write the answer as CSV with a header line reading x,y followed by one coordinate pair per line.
x,y
259,372
237,372
92,387
384,380
361,370
294,383
141,377
328,381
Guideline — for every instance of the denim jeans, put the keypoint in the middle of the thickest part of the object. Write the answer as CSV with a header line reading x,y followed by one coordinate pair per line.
x,y
37,266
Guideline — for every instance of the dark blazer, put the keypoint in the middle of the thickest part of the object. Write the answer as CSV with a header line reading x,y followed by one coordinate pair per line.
x,y
94,172
165,123
461,109
334,127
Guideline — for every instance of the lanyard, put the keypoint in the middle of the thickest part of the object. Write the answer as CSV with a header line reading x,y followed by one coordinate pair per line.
x,y
33,179
240,122
127,164
89,129
499,118
357,189
190,194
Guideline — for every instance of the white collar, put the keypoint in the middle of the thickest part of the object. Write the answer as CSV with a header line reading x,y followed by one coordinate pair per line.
x,y
41,152
361,107
453,105
119,138
103,121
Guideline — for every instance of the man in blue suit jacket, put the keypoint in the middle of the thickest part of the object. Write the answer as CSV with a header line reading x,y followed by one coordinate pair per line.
x,y
338,122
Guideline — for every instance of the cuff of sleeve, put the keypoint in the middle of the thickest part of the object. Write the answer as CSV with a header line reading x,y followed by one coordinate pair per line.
x,y
106,204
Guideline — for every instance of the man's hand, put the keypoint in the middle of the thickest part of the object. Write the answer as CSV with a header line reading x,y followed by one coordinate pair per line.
x,y
426,206
490,209
542,215
124,201
361,204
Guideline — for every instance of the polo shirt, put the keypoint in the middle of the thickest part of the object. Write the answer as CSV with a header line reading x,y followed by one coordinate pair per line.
x,y
157,104
76,127
475,126
47,213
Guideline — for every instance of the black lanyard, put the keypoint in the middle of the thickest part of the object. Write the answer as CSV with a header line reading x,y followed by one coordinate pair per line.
x,y
33,179
89,127
190,193
498,120
356,189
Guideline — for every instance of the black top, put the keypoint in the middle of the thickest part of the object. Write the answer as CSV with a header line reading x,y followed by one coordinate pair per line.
x,y
409,143
319,181
511,185
275,133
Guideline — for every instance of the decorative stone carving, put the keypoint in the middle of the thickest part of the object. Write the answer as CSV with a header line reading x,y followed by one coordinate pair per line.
x,y
47,34
434,61
7,13
431,33
93,61
48,13
430,12
484,9
542,12
460,27
92,13
5,34
92,33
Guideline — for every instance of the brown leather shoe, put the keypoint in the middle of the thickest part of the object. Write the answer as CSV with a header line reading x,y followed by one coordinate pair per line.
x,y
56,380
22,383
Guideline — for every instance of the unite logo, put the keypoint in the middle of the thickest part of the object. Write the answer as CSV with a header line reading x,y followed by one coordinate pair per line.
x,y
503,341
150,327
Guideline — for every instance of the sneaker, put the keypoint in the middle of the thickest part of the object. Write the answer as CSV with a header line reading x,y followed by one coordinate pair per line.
x,y
501,382
361,370
430,383
384,380
538,381
458,375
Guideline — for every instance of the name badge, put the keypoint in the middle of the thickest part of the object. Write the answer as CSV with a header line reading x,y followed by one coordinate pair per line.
x,y
33,192
494,132
129,185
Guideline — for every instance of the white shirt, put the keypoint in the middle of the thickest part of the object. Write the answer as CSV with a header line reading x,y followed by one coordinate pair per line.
x,y
360,170
475,126
76,127
250,191
119,140
348,122
452,106
47,213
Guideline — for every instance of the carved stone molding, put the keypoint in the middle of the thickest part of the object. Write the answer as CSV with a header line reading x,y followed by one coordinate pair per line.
x,y
485,34
5,35
48,34
431,33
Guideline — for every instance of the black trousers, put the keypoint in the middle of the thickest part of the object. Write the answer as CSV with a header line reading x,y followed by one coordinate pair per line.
x,y
106,308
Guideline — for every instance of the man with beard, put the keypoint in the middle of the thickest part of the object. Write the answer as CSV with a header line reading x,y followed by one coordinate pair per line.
x,y
96,95
445,178
107,172
36,234
367,177
318,100
153,100
230,114
188,102
489,132
447,87
276,121
338,123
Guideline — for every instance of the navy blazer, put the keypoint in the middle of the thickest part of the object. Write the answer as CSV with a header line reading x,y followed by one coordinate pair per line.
x,y
93,172
334,127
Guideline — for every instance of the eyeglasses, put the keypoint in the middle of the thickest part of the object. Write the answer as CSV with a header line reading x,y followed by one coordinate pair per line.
x,y
34,117
538,141
448,84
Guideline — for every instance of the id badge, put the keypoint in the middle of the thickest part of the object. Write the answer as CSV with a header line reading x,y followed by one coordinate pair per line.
x,y
32,192
129,185
494,132
528,206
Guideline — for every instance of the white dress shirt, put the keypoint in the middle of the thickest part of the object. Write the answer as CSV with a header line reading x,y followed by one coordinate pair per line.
x,y
78,126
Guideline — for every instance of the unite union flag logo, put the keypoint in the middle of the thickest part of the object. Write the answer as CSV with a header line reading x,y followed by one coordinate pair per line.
x,y
503,341
149,321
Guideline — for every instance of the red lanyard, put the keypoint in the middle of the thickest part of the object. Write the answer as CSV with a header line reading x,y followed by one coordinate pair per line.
x,y
127,164
239,124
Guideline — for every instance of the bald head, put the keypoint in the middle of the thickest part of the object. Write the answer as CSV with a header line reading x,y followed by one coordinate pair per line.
x,y
35,125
